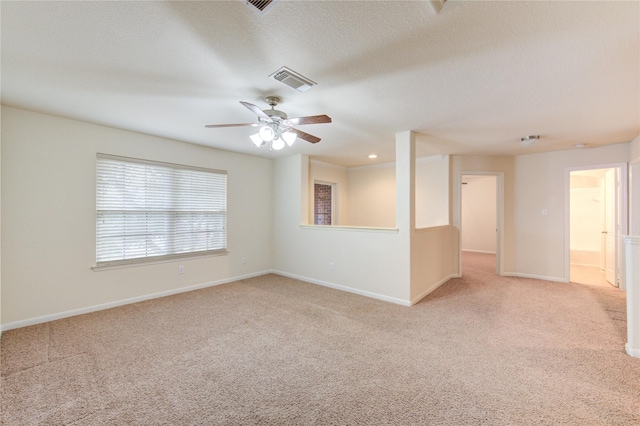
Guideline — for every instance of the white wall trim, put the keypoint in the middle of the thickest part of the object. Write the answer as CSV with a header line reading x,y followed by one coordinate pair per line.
x,y
327,165
480,251
431,229
634,352
345,288
535,277
431,158
349,228
374,166
114,304
432,288
419,160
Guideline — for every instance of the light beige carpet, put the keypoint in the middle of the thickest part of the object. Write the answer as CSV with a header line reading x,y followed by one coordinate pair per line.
x,y
272,350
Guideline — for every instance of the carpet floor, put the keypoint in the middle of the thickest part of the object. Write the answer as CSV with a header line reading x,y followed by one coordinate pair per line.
x,y
271,350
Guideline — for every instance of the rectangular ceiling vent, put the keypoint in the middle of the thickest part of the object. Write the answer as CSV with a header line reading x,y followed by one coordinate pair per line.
x,y
437,5
292,79
261,6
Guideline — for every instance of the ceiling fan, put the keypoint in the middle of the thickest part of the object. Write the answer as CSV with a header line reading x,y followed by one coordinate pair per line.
x,y
275,127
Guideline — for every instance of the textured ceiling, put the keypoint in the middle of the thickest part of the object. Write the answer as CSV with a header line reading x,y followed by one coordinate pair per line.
x,y
473,79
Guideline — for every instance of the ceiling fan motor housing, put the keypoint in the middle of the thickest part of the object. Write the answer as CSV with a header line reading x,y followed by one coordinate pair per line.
x,y
274,113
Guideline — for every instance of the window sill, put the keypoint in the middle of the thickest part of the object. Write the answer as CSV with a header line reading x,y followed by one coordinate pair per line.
x,y
142,262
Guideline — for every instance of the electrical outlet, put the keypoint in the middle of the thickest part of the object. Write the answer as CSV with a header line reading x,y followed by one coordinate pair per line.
x,y
331,266
181,269
244,260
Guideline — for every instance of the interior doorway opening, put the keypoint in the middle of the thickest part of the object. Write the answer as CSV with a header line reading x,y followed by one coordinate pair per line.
x,y
595,223
479,236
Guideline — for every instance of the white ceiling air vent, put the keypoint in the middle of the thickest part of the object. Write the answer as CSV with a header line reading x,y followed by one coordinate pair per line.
x,y
261,6
437,5
529,140
292,79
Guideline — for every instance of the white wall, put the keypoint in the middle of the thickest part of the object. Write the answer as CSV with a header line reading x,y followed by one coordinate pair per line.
x,y
330,173
369,262
634,150
634,188
432,191
400,265
540,184
48,217
479,213
0,223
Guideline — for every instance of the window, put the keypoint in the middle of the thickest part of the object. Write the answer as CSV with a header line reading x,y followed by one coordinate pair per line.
x,y
323,204
151,211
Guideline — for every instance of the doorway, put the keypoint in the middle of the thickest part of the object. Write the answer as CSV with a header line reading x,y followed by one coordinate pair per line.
x,y
596,219
481,217
324,203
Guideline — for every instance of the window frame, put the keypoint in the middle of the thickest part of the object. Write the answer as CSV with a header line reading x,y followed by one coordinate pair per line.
x,y
171,215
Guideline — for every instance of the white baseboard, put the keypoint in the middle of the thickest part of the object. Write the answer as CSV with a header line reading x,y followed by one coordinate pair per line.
x,y
432,288
535,277
586,264
634,352
479,251
345,288
103,306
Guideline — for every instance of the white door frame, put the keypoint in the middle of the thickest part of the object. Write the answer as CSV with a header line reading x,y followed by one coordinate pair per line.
x,y
457,220
634,197
622,207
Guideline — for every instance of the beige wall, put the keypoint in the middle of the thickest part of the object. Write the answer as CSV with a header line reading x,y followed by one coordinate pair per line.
x,y
540,183
372,196
48,217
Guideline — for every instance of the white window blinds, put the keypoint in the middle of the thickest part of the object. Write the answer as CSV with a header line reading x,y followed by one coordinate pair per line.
x,y
150,211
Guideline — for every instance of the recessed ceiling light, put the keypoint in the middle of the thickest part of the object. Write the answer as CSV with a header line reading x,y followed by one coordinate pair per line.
x,y
580,145
529,140
373,156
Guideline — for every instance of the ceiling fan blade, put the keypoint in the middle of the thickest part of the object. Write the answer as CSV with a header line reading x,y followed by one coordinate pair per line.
x,y
312,119
233,125
256,110
306,136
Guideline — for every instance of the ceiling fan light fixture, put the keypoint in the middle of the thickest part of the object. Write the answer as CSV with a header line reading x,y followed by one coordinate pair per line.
x,y
277,144
257,140
289,137
275,126
267,133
